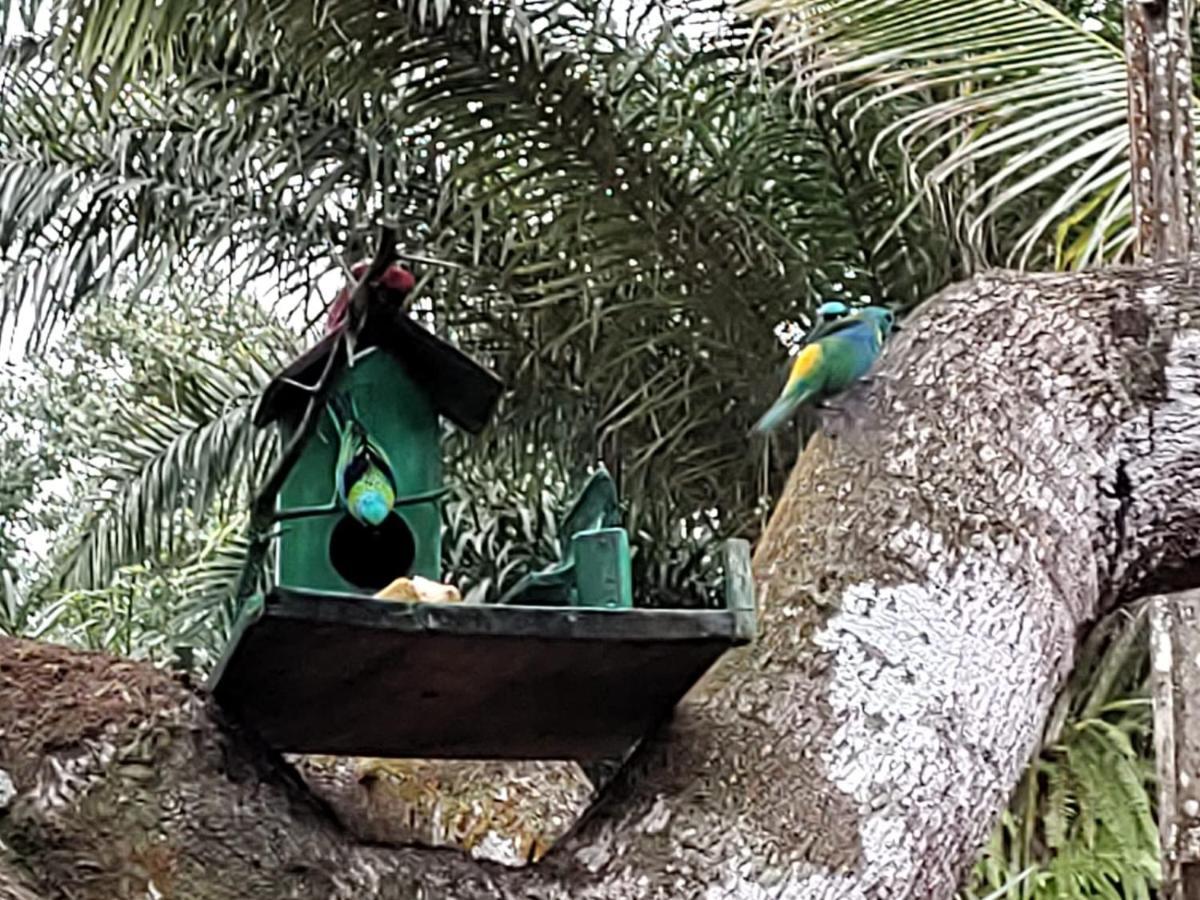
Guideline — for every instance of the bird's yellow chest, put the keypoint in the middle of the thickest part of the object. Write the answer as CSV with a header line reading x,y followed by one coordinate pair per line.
x,y
806,364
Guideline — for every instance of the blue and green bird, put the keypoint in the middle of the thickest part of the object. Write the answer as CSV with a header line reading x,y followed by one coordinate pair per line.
x,y
835,354
366,482
827,313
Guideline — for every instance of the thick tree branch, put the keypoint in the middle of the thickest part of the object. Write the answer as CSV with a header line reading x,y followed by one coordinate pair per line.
x,y
1027,458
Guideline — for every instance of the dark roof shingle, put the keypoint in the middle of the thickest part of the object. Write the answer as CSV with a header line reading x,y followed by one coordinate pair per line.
x,y
460,389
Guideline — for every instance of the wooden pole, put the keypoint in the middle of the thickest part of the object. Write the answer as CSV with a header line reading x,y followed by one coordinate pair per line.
x,y
1158,55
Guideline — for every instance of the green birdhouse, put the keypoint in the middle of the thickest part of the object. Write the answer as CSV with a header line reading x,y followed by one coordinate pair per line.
x,y
563,666
402,381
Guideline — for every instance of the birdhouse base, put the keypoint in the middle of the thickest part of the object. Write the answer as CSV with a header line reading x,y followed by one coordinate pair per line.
x,y
348,675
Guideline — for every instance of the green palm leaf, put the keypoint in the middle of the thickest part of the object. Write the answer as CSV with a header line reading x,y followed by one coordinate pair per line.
x,y
606,207
1010,116
180,449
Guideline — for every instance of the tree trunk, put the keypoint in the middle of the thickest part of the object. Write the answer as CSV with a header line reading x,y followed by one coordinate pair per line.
x,y
1158,51
1175,685
1158,54
1027,457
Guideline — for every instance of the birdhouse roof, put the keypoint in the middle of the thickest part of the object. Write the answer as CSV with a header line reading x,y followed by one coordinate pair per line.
x,y
460,389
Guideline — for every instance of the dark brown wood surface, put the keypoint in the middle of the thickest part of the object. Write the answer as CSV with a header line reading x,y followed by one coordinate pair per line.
x,y
360,677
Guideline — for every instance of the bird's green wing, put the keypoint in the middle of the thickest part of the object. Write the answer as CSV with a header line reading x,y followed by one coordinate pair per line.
x,y
357,449
347,454
841,325
350,433
823,325
379,457
820,330
805,382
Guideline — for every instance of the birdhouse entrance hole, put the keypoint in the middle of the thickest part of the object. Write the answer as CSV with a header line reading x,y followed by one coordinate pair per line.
x,y
372,558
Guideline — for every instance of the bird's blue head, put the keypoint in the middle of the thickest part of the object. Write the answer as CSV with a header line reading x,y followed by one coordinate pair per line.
x,y
372,508
832,309
881,317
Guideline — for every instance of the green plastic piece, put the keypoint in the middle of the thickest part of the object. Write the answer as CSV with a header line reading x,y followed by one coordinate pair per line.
x,y
596,508
401,418
603,572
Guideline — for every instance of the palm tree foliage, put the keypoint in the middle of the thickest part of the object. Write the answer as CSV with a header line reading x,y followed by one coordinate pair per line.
x,y
1081,822
1010,116
613,205
628,210
180,446
136,461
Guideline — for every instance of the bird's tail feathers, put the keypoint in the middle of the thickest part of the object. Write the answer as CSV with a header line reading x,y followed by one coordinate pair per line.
x,y
781,410
337,409
334,413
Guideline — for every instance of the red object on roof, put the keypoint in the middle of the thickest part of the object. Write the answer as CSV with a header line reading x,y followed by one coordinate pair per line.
x,y
460,389
395,283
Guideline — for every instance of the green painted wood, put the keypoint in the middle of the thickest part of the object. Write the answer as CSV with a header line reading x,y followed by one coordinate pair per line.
x,y
338,674
401,418
739,577
460,388
603,568
596,510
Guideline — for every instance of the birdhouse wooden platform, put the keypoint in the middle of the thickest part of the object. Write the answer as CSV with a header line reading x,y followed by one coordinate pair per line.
x,y
350,675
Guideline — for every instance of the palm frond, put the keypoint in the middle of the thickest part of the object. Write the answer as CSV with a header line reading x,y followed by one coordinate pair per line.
x,y
168,462
22,614
1083,816
203,614
176,447
630,211
173,613
1010,117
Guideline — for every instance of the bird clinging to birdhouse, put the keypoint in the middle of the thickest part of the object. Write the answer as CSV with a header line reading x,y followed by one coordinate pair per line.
x,y
366,482
393,286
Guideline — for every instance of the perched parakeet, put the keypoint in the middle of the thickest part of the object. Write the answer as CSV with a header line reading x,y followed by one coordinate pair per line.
x,y
841,355
366,485
394,285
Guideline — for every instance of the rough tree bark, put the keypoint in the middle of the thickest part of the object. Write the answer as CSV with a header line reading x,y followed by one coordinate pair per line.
x,y
1175,685
1027,457
498,810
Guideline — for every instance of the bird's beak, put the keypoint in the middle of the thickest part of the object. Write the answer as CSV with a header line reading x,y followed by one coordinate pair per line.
x,y
897,328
